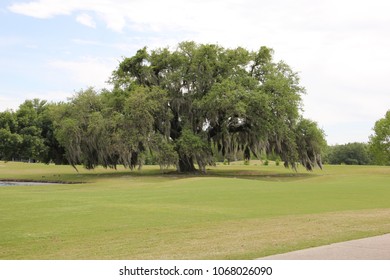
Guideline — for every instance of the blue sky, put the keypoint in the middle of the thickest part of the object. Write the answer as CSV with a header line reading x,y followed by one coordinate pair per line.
x,y
51,48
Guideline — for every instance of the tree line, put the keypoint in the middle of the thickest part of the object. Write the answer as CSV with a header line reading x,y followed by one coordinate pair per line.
x,y
28,134
349,154
182,107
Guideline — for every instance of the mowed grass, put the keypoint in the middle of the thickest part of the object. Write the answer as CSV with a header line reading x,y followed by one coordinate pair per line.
x,y
233,212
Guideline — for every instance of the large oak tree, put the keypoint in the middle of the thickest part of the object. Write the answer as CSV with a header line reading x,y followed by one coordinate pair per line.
x,y
185,104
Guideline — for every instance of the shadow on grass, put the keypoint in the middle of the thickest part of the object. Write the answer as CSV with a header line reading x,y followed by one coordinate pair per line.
x,y
90,176
213,173
261,175
265,175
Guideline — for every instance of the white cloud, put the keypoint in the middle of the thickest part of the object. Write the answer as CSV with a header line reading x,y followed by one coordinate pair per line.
x,y
153,15
44,8
207,16
112,12
86,20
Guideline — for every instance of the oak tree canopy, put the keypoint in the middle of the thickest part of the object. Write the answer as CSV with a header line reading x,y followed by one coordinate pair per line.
x,y
186,104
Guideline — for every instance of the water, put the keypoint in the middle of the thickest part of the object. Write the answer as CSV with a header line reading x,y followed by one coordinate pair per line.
x,y
12,183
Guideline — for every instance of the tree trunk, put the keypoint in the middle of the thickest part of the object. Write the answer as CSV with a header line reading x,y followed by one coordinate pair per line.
x,y
186,164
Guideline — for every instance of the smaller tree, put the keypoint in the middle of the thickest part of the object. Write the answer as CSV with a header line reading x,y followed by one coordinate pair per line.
x,y
350,154
21,132
380,141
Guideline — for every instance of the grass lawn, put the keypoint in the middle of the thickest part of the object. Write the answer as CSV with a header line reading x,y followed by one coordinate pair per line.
x,y
233,212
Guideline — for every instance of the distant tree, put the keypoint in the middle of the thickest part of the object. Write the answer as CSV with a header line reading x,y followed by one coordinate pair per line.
x,y
32,146
350,154
380,141
21,134
9,139
27,134
8,121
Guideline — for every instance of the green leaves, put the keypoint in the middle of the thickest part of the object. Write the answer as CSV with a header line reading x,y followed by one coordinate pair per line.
x,y
310,143
95,131
193,146
351,153
23,133
9,144
380,141
235,99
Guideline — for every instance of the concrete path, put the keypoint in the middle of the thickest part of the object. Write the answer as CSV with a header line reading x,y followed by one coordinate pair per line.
x,y
372,248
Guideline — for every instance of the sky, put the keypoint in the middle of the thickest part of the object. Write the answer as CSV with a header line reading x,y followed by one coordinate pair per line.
x,y
50,49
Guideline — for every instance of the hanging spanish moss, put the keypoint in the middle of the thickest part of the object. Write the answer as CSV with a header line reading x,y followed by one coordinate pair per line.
x,y
184,104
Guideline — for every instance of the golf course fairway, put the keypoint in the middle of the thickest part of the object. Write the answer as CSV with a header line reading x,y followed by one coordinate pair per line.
x,y
233,212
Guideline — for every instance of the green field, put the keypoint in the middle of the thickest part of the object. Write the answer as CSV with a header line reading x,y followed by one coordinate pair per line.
x,y
233,212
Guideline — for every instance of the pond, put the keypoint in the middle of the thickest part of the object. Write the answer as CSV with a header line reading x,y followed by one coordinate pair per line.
x,y
15,183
